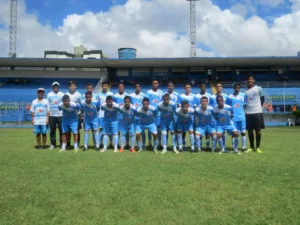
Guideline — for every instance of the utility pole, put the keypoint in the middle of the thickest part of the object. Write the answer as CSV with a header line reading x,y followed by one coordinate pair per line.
x,y
13,29
193,36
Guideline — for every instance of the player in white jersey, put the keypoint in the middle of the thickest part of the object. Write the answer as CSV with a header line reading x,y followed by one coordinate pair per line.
x,y
155,97
40,111
254,117
55,119
102,98
174,96
75,97
203,93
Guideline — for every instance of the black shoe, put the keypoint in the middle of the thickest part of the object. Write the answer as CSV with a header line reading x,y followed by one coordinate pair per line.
x,y
37,147
44,147
127,147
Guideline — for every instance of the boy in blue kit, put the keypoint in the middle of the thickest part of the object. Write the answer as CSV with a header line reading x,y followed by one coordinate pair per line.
x,y
40,112
147,115
223,115
174,96
69,121
204,123
185,123
237,100
127,123
90,106
167,111
110,123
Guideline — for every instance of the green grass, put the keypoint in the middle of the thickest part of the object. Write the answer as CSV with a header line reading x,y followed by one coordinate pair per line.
x,y
49,187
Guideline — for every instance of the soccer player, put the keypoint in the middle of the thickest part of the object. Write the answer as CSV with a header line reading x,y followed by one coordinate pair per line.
x,y
254,117
185,123
55,119
110,122
137,100
90,88
40,111
102,97
69,121
126,125
75,97
237,101
174,96
204,123
203,93
167,111
90,106
223,114
147,115
155,97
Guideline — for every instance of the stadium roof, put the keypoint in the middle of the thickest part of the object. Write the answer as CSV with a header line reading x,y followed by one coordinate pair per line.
x,y
152,62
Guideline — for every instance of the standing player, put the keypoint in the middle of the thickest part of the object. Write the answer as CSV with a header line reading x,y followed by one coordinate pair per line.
x,y
167,111
75,97
90,88
254,117
237,101
102,97
54,98
185,123
126,125
137,99
147,115
40,111
204,123
174,96
69,121
203,93
90,106
110,122
155,97
223,114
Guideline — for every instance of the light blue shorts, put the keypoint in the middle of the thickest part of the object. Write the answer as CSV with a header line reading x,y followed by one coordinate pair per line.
x,y
125,128
167,126
140,128
240,126
185,127
40,129
229,129
110,127
70,127
91,125
202,130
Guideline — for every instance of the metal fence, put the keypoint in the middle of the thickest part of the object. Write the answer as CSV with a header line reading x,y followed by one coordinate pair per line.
x,y
15,112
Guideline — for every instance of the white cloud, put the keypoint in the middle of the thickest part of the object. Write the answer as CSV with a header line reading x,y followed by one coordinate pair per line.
x,y
158,28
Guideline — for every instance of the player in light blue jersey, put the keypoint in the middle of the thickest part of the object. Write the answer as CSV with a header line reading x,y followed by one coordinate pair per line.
x,y
147,115
155,97
203,93
191,99
174,96
102,98
167,111
126,125
40,112
90,106
110,123
204,123
223,114
119,99
90,88
237,100
69,121
137,100
185,123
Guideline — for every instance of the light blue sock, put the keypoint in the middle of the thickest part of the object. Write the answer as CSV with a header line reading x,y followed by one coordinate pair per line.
x,y
105,140
220,140
207,142
132,141
192,140
233,143
75,144
244,141
97,139
116,140
174,140
224,140
86,138
123,138
214,142
164,138
140,145
236,143
179,139
155,144
198,142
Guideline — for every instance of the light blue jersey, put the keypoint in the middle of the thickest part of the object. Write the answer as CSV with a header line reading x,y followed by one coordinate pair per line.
x,y
90,110
237,103
128,115
110,114
174,97
167,113
185,118
70,114
213,100
155,97
223,116
199,96
146,117
119,99
102,98
204,117
137,100
191,99
54,100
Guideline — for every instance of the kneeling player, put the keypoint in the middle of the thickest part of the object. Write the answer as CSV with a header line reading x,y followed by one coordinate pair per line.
x,y
223,115
185,123
146,114
69,121
110,122
90,106
167,116
127,123
204,123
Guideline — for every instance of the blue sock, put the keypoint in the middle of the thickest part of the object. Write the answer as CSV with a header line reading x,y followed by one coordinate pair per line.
x,y
116,140
105,140
214,142
140,145
244,142
207,142
179,139
198,142
97,139
236,143
220,140
174,140
155,144
86,138
164,138
123,138
192,139
224,140
132,141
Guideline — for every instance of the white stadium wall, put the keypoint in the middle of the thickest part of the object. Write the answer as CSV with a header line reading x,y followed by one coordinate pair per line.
x,y
95,55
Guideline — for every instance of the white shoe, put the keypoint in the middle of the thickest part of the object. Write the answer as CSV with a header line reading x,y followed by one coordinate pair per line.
x,y
52,147
175,151
103,150
221,152
237,152
76,149
116,150
164,151
63,150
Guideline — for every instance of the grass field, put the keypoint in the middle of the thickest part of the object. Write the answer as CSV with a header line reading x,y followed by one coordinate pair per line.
x,y
49,187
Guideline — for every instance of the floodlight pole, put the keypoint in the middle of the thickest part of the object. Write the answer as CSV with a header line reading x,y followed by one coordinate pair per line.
x,y
13,29
193,41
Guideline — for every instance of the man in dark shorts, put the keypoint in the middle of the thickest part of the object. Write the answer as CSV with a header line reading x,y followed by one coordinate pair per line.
x,y
253,109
